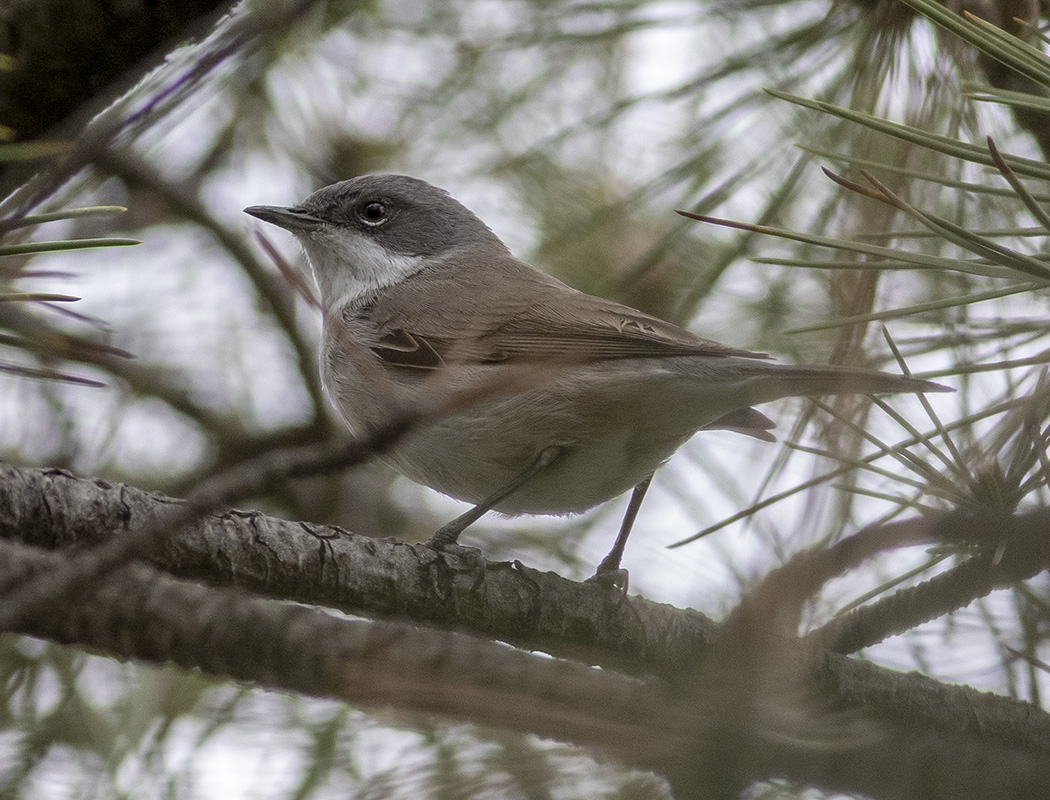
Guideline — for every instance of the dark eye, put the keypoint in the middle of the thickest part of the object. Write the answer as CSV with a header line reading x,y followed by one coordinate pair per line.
x,y
372,212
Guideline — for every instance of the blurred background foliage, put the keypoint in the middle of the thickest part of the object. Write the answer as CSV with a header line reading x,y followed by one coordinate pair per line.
x,y
574,129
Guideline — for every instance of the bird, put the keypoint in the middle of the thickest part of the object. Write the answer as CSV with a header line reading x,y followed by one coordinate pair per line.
x,y
420,297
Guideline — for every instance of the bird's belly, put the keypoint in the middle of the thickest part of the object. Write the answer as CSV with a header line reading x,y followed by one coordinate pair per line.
x,y
610,428
580,476
602,447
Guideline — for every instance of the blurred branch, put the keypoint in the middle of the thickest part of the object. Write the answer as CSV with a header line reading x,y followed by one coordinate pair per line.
x,y
63,53
1012,548
68,59
111,114
233,443
163,384
273,290
1003,33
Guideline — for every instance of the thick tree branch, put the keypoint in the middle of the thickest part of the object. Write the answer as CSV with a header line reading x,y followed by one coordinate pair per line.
x,y
539,611
327,566
143,614
249,479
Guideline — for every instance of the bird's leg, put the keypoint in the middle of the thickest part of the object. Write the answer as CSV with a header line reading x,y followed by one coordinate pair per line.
x,y
609,570
447,535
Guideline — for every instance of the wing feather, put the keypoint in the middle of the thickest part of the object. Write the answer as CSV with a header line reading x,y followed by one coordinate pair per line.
x,y
516,313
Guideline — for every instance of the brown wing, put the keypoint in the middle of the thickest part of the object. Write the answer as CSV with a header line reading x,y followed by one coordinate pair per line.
x,y
512,312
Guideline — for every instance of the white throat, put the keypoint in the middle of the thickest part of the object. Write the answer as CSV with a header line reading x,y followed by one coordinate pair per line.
x,y
347,266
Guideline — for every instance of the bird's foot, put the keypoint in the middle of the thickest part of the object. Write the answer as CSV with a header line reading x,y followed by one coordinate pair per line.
x,y
444,542
444,538
611,575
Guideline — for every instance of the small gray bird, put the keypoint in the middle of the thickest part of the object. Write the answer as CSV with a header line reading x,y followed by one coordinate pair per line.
x,y
413,285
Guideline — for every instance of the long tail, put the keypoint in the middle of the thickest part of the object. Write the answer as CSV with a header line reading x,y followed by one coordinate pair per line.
x,y
813,381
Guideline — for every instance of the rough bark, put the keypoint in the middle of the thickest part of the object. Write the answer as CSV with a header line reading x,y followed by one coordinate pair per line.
x,y
142,614
924,733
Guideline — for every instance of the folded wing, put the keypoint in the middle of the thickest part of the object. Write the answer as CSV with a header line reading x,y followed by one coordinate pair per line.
x,y
516,314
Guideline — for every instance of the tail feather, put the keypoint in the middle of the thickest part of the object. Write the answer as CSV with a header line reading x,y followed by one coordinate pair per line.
x,y
813,381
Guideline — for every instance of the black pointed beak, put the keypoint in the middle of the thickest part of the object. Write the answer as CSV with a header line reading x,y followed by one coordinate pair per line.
x,y
290,219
